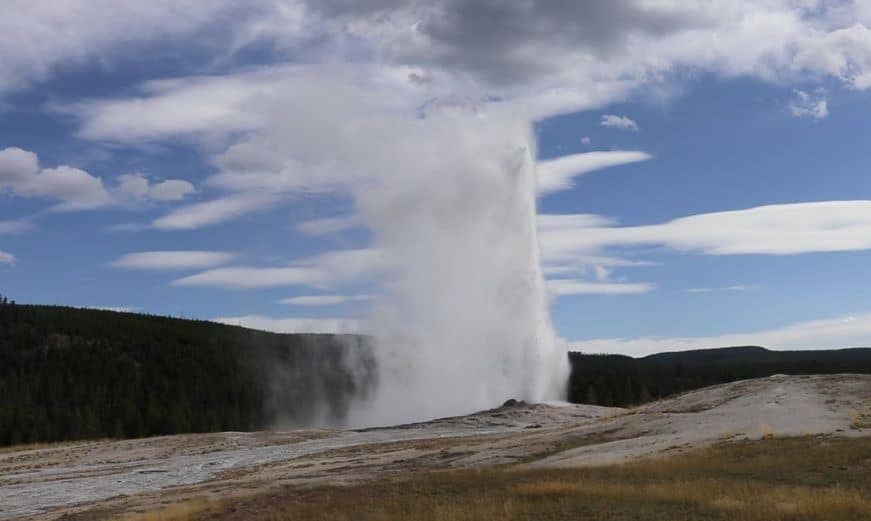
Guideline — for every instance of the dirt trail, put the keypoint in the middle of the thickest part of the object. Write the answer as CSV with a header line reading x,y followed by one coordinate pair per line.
x,y
137,474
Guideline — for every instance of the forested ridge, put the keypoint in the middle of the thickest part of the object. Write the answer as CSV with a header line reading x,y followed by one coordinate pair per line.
x,y
616,380
69,373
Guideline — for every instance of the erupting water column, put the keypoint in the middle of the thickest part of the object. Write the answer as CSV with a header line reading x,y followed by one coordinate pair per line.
x,y
463,323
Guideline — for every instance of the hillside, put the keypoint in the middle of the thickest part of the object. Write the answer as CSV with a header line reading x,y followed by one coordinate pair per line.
x,y
68,373
616,380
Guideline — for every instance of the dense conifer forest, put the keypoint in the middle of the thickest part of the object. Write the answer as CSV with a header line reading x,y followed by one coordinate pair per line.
x,y
621,381
69,373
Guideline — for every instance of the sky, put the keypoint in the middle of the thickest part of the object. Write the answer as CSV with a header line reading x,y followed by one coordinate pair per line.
x,y
702,166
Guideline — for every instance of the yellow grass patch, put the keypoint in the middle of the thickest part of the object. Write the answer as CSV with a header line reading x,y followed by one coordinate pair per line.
x,y
781,479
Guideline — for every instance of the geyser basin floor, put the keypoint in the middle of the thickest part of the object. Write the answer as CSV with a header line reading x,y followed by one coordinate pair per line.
x,y
142,474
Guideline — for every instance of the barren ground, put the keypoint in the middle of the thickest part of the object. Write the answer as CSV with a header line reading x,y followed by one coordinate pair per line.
x,y
138,475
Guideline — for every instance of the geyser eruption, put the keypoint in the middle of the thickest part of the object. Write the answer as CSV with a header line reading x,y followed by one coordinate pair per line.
x,y
463,321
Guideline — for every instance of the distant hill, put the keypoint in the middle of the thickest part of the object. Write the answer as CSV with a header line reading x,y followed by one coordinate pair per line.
x,y
68,373
617,380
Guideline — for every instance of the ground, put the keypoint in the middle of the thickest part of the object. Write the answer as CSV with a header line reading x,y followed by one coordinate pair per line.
x,y
546,460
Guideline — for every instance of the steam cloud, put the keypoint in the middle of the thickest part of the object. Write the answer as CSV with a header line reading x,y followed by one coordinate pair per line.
x,y
463,323
448,190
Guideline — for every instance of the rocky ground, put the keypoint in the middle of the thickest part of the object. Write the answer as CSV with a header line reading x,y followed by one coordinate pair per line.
x,y
137,475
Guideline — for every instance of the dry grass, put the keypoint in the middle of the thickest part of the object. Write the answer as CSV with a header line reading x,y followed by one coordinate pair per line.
x,y
748,499
188,510
861,420
46,445
779,479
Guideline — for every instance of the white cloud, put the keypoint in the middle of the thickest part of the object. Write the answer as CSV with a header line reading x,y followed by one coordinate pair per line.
x,y
246,277
586,265
582,244
282,143
118,309
807,105
783,229
737,287
293,325
328,225
563,287
324,270
14,227
324,300
621,122
40,36
558,174
216,211
7,258
184,106
21,175
585,140
17,166
849,331
559,56
171,190
172,260
140,187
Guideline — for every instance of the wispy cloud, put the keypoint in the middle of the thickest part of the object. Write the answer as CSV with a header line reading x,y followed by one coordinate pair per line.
x,y
326,270
15,227
7,258
246,277
809,105
328,225
324,300
293,325
783,229
172,260
563,287
737,287
119,309
216,211
557,174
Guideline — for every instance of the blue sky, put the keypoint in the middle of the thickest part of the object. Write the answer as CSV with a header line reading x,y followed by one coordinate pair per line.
x,y
166,160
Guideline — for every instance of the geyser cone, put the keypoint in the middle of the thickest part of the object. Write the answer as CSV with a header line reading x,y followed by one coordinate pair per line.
x,y
463,323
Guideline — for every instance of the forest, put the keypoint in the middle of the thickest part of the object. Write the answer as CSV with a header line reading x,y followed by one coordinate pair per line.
x,y
623,381
69,373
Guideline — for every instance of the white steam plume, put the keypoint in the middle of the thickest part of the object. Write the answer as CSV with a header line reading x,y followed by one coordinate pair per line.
x,y
463,324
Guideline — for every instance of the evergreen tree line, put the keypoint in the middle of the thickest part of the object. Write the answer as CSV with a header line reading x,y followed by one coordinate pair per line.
x,y
621,381
68,373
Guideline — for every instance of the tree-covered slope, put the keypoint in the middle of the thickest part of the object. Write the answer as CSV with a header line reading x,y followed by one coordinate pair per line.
x,y
68,373
617,380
